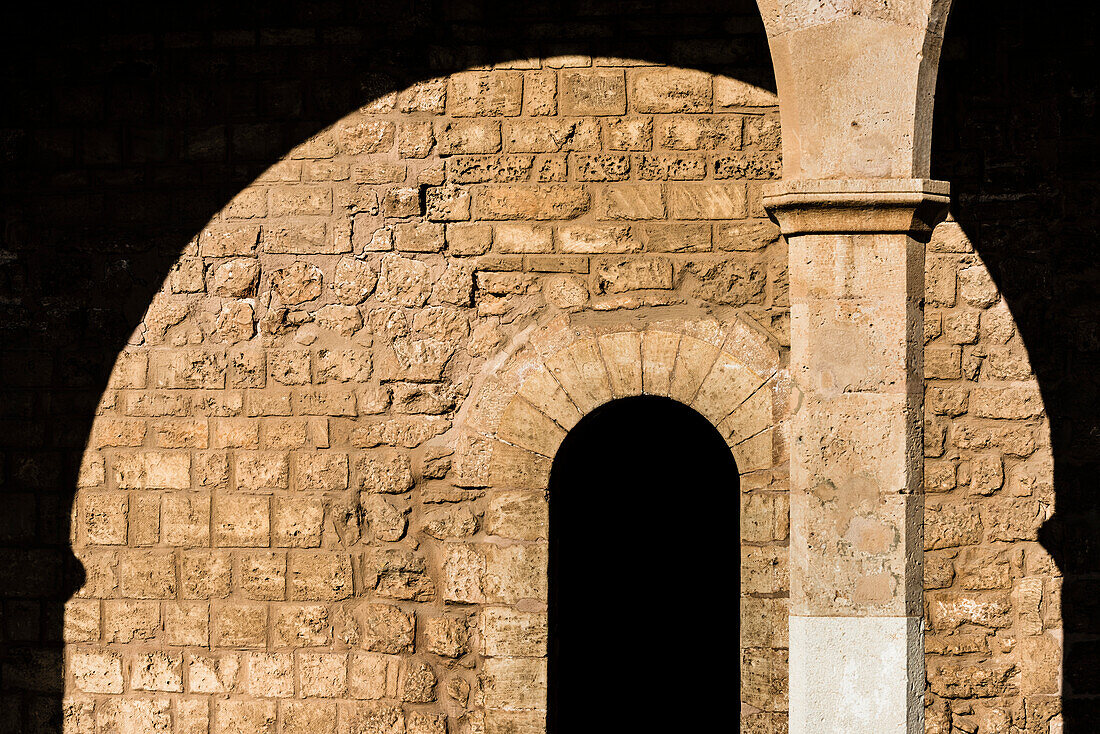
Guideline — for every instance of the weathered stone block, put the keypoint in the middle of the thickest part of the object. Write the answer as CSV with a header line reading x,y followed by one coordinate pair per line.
x,y
157,671
1007,400
147,574
239,625
125,716
236,716
447,204
763,623
262,471
309,717
372,676
97,671
670,167
242,521
956,680
514,683
450,522
262,576
187,624
485,94
593,92
229,240
387,472
446,636
297,283
540,93
463,573
153,470
370,718
319,577
631,202
212,674
506,632
671,90
323,675
522,238
589,240
1012,519
204,575
539,202
130,621
419,236
103,518
555,135
416,682
301,625
385,521
706,201
519,515
185,520
619,276
321,471
515,572
469,137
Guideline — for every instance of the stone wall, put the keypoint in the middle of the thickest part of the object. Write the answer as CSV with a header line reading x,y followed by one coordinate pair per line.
x,y
321,335
277,531
992,592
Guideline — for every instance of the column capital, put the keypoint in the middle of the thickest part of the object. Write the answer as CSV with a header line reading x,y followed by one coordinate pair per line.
x,y
910,206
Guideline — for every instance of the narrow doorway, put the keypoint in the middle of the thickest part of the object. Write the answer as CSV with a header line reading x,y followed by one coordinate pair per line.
x,y
644,573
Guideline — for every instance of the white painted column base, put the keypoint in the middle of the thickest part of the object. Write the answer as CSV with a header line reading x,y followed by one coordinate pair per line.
x,y
856,675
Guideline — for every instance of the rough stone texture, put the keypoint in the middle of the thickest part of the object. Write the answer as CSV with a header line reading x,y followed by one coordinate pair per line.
x,y
993,593
346,501
202,405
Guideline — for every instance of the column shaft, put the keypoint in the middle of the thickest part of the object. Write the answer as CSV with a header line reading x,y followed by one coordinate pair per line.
x,y
857,505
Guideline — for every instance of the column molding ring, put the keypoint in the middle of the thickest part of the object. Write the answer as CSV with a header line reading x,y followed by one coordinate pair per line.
x,y
857,206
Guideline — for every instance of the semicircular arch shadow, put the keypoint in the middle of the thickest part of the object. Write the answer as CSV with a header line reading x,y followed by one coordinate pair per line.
x,y
127,126
1016,135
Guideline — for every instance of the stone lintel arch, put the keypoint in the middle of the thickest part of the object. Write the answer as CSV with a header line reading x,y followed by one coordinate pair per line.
x,y
728,371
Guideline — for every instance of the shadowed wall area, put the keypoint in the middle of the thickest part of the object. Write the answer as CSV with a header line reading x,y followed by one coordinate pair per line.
x,y
1015,134
630,472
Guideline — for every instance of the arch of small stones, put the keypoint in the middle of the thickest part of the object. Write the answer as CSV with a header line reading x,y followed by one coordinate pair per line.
x,y
729,372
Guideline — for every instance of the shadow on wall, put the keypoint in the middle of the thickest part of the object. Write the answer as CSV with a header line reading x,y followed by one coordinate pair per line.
x,y
126,127
1016,135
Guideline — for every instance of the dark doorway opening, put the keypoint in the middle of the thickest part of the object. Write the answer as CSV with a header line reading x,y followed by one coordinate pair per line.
x,y
644,559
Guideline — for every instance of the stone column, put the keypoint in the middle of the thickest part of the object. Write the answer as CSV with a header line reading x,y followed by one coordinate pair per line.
x,y
857,505
856,81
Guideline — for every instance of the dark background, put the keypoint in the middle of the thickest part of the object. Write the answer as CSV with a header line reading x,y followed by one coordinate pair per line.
x,y
125,126
1016,134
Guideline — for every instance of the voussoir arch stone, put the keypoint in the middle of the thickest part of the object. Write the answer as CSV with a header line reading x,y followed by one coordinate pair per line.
x,y
516,419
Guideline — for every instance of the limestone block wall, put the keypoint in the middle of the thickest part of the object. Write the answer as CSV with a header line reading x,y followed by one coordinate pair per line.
x,y
992,592
273,476
285,516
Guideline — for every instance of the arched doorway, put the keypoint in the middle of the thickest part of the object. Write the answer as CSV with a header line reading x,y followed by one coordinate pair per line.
x,y
644,499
